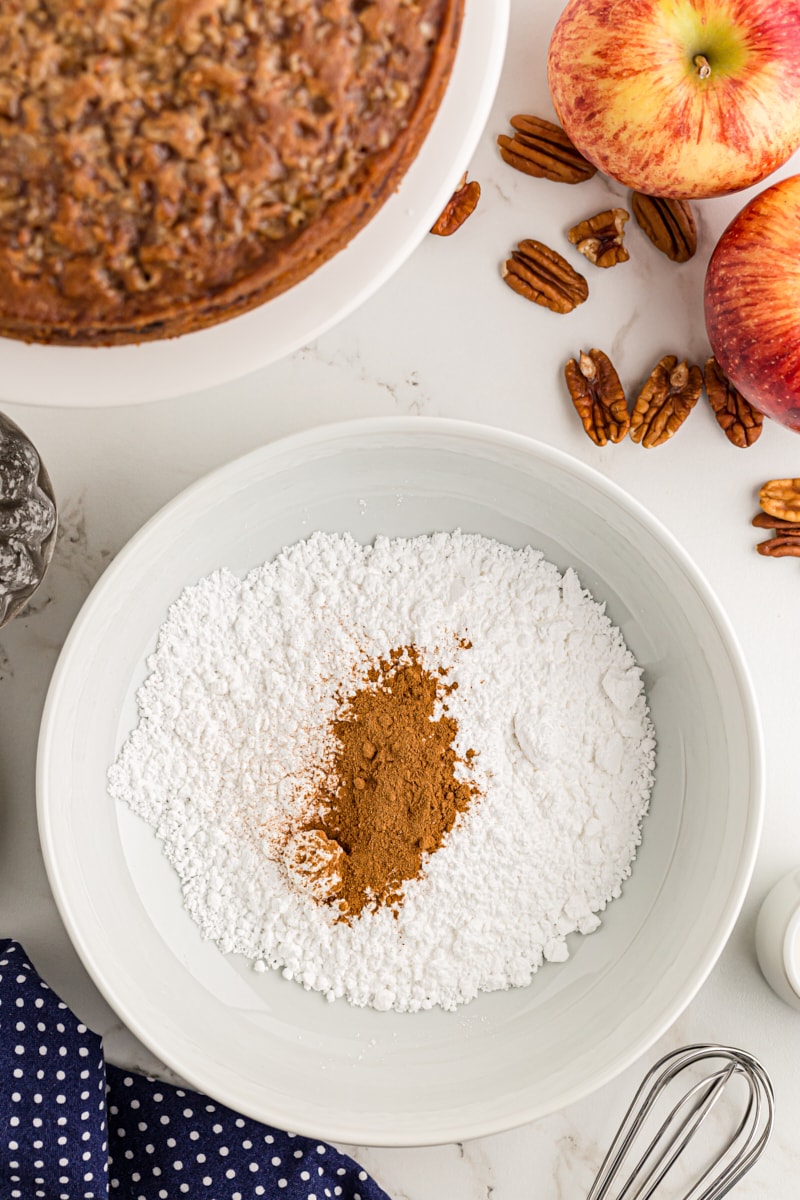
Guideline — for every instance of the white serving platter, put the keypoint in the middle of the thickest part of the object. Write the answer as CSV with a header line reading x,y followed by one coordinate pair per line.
x,y
73,376
261,1043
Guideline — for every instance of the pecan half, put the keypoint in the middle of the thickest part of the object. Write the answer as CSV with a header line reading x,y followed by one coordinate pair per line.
x,y
598,397
763,520
741,423
599,238
461,205
780,547
668,223
543,149
781,498
669,395
542,275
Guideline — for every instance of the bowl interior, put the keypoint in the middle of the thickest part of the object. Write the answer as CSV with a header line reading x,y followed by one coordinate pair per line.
x,y
262,1044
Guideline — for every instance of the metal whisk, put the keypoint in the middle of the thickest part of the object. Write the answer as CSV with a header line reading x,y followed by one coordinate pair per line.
x,y
640,1158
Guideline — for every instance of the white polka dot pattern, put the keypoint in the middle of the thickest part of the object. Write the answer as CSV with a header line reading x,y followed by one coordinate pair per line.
x,y
75,1128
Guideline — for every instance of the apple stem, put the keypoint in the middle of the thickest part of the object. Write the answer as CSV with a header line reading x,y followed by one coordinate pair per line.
x,y
703,66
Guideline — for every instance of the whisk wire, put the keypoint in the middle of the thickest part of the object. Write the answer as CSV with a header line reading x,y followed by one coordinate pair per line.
x,y
758,1121
699,1101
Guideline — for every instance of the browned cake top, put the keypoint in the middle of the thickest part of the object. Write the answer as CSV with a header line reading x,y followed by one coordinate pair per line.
x,y
154,154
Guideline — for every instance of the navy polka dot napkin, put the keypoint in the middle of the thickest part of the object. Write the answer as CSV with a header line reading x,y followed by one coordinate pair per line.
x,y
73,1127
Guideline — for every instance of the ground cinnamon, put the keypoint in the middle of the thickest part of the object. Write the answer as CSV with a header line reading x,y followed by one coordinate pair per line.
x,y
397,795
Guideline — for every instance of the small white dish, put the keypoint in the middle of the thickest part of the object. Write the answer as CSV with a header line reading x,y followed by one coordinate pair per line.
x,y
259,1042
778,938
97,376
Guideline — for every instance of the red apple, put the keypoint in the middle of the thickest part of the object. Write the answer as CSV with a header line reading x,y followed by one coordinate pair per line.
x,y
752,302
683,98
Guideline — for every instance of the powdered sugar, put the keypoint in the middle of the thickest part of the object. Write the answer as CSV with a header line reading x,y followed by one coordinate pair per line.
x,y
233,735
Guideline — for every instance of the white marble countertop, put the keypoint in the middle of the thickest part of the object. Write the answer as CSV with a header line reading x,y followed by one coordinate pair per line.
x,y
446,337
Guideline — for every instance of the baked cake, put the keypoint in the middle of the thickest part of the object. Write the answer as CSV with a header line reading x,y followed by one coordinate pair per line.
x,y
167,164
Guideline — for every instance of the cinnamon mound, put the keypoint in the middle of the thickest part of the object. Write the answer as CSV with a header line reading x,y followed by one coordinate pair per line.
x,y
398,796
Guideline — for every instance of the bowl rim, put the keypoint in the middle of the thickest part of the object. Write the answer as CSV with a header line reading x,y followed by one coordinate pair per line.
x,y
415,428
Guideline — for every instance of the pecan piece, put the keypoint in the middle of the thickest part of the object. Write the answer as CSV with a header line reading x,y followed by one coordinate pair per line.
x,y
763,520
543,149
741,423
542,275
668,223
598,397
461,205
780,546
781,498
599,238
669,395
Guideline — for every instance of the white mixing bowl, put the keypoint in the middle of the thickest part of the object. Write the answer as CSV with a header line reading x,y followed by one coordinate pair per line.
x,y
262,1044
